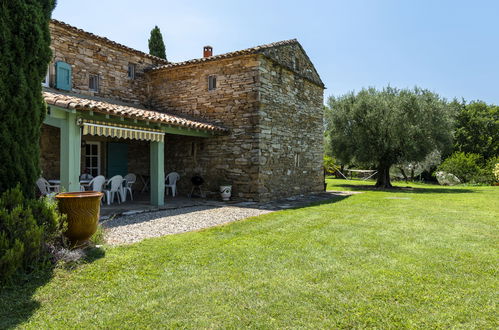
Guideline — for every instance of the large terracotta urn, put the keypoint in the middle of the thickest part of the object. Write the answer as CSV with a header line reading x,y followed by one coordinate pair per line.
x,y
82,210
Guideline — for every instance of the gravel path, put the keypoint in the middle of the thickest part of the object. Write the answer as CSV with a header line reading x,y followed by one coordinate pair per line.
x,y
134,228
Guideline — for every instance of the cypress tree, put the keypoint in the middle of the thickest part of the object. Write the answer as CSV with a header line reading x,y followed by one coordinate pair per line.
x,y
24,57
156,44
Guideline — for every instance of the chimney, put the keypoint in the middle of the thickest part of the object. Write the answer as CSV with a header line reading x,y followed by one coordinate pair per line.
x,y
207,51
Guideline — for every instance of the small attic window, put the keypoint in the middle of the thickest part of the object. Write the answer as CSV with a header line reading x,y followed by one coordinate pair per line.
x,y
212,83
131,71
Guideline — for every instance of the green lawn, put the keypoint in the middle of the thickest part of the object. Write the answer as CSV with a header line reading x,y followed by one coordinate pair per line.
x,y
425,257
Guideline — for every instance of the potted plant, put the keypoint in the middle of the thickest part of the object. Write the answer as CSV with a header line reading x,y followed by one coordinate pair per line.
x,y
225,191
82,210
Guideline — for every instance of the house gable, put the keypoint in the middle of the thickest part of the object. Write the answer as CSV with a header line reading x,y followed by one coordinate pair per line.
x,y
292,56
288,53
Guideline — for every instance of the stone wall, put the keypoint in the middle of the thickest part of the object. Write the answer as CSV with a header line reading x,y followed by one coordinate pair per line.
x,y
231,158
272,103
294,58
50,149
291,138
275,116
93,56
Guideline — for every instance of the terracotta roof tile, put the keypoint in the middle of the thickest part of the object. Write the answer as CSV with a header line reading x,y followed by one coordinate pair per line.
x,y
106,40
129,111
247,51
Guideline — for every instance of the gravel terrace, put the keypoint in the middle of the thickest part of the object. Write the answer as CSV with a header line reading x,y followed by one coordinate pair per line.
x,y
134,228
127,229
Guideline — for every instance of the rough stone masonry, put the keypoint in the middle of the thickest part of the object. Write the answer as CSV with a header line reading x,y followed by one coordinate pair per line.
x,y
269,97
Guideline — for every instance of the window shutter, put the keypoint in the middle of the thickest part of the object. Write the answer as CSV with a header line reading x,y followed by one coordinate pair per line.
x,y
63,76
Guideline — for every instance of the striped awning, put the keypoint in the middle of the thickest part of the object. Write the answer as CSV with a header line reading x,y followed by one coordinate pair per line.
x,y
121,131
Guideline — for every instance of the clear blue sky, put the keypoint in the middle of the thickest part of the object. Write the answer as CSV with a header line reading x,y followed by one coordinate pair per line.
x,y
448,46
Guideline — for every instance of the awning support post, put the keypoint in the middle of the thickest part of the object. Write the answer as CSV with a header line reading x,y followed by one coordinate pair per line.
x,y
157,172
70,153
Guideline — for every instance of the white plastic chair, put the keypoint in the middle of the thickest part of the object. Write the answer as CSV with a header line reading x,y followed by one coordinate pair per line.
x,y
130,179
171,182
115,188
97,183
46,188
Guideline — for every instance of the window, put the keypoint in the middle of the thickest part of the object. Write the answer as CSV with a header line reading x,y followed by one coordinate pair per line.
x,y
93,82
131,71
63,76
212,83
92,158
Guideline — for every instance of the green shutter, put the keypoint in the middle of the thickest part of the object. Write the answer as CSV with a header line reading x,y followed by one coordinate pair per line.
x,y
63,76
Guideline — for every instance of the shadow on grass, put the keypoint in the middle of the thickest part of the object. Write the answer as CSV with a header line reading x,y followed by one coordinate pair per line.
x,y
276,205
16,299
332,200
412,190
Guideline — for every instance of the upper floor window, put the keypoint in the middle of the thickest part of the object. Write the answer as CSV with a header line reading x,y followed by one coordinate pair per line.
x,y
93,82
63,76
131,71
212,83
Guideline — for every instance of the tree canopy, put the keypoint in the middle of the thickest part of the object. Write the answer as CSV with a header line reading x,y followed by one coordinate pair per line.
x,y
477,129
387,127
24,57
156,44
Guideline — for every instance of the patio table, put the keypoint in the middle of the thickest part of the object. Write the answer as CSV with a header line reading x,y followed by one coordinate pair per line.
x,y
57,182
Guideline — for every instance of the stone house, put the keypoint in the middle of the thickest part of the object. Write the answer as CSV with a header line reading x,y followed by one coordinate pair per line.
x,y
251,118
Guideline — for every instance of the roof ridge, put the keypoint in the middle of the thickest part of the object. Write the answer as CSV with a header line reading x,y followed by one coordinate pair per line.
x,y
245,51
106,40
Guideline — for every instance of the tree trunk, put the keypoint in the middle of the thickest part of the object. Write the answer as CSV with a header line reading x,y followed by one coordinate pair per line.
x,y
403,174
383,180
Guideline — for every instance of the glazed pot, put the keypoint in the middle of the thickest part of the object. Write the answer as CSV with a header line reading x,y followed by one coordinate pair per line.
x,y
225,192
82,210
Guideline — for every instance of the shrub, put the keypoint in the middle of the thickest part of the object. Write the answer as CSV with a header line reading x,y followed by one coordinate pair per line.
x,y
470,167
98,237
330,164
27,226
465,166
489,171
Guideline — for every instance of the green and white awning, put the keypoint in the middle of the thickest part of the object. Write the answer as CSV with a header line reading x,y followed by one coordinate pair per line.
x,y
121,131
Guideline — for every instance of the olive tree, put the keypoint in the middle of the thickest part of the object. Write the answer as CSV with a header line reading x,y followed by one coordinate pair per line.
x,y
381,128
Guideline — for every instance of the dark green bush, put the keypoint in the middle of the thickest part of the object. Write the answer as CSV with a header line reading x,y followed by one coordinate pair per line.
x,y
469,167
27,227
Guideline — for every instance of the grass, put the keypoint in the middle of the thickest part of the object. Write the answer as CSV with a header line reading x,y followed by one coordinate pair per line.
x,y
420,257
